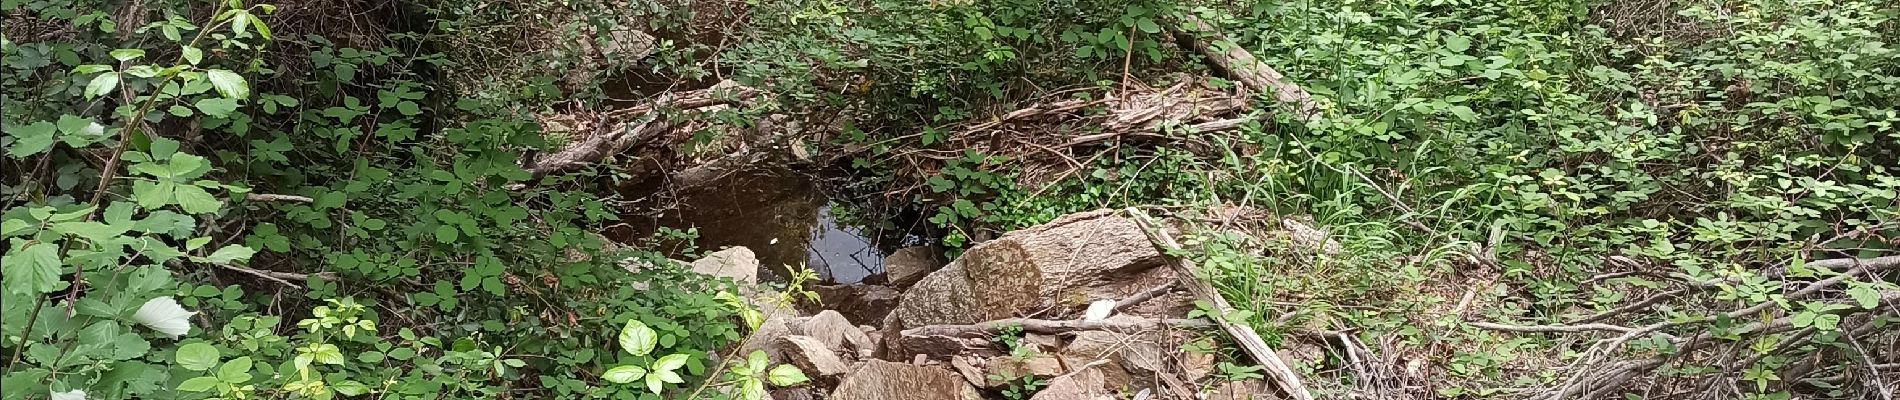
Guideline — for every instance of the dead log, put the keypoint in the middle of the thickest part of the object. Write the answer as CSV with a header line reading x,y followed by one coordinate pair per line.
x,y
1051,327
633,127
1237,63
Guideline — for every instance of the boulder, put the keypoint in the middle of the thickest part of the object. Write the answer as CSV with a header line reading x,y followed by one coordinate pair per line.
x,y
908,265
812,356
738,263
1073,260
797,393
832,329
860,303
766,338
884,380
1082,385
1128,356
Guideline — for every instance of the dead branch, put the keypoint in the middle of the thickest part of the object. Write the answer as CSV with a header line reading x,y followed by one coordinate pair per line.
x,y
1236,62
1249,340
1553,328
634,126
1044,326
1145,295
266,197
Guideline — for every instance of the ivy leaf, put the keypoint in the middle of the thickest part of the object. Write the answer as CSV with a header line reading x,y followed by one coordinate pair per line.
x,y
624,374
786,375
32,270
637,338
30,139
228,83
197,356
102,84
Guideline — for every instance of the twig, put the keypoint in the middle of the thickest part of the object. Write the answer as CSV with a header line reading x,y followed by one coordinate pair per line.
x,y
1652,300
1145,295
267,197
1553,328
1044,326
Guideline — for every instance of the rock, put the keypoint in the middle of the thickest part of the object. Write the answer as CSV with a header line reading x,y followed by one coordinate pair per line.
x,y
971,368
766,338
812,356
1251,389
1195,365
1073,260
1129,356
908,265
1043,343
1004,369
831,328
797,393
937,347
884,380
628,43
860,303
1309,238
1084,385
736,262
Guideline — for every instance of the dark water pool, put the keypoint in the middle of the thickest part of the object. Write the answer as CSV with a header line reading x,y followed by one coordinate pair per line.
x,y
782,216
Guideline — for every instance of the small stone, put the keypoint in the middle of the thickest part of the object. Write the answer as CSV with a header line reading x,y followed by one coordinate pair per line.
x,y
971,368
812,356
1243,390
1004,369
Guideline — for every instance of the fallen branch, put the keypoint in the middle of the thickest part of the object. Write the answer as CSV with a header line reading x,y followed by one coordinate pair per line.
x,y
1050,327
1236,62
1145,295
267,197
617,135
1249,340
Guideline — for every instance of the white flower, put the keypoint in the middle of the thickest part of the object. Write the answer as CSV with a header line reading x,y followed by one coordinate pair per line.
x,y
165,316
75,394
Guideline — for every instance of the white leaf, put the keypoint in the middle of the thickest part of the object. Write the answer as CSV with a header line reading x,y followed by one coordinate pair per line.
x,y
164,315
74,394
1099,310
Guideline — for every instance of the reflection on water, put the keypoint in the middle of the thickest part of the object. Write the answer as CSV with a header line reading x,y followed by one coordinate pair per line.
x,y
778,214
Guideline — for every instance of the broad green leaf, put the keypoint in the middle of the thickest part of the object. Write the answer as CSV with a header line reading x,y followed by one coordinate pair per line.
x,y
30,139
624,374
786,375
1148,25
668,376
752,389
102,85
217,107
654,383
32,270
198,384
231,254
228,83
328,354
446,234
1864,295
236,371
91,231
670,362
197,356
126,54
195,200
637,338
11,226
192,54
346,388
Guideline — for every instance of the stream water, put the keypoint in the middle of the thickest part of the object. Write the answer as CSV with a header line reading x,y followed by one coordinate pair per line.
x,y
782,216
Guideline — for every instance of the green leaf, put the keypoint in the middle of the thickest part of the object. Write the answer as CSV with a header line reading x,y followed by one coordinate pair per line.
x,y
408,108
197,356
126,54
198,384
624,374
30,139
1148,25
1457,44
446,234
192,54
231,254
195,200
752,389
228,83
328,354
236,371
217,107
32,270
637,338
91,231
786,375
102,85
11,226
1864,295
654,383
670,363
346,388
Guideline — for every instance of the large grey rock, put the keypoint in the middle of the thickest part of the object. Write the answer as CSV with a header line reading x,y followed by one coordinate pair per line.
x,y
812,356
861,304
738,263
1128,356
884,380
832,329
908,265
1071,261
1082,385
766,338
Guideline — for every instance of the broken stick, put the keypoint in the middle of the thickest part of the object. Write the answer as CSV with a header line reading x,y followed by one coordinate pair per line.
x,y
1249,340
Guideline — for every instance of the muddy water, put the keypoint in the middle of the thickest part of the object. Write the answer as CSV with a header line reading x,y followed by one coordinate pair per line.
x,y
782,216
